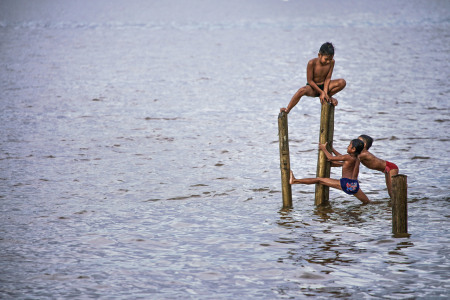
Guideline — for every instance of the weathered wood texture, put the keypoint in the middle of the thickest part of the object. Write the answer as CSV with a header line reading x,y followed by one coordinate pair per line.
x,y
285,164
399,204
322,194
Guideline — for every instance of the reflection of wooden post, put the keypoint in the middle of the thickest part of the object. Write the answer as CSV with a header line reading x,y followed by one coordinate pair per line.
x,y
399,204
285,164
323,166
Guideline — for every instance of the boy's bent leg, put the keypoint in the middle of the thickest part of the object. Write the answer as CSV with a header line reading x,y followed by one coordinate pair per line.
x,y
389,180
362,197
335,87
303,91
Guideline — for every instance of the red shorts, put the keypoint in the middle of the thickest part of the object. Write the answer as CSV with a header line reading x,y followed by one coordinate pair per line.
x,y
390,166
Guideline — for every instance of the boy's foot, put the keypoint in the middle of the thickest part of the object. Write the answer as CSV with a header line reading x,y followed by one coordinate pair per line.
x,y
334,101
291,178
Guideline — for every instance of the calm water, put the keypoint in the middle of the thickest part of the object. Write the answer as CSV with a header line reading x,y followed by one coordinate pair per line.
x,y
139,149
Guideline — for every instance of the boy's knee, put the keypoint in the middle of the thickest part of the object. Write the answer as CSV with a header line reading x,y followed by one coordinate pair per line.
x,y
301,92
342,83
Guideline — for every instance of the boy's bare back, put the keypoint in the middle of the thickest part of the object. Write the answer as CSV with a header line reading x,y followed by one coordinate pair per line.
x,y
371,161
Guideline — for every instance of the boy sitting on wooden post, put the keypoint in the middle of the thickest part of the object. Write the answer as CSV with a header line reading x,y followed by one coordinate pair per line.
x,y
318,76
350,170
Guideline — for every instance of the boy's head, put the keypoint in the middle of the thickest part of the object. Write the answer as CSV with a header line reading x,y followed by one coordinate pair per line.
x,y
358,145
327,49
367,140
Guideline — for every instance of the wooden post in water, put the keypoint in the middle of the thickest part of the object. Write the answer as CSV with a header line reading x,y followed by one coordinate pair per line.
x,y
399,205
285,164
322,194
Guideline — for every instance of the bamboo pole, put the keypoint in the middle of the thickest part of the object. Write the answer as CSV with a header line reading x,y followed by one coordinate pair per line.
x,y
285,164
399,205
323,165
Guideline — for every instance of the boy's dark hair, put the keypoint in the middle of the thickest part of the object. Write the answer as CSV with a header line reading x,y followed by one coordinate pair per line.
x,y
359,146
367,139
327,49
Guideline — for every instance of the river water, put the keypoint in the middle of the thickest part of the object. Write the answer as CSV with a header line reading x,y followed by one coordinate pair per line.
x,y
139,149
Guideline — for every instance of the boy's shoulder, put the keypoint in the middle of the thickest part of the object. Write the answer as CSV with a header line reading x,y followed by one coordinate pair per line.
x,y
348,157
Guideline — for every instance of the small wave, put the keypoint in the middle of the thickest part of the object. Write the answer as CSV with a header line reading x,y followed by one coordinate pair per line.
x,y
420,157
161,119
184,197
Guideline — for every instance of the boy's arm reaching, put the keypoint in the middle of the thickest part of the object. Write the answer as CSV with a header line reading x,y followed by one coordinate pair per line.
x,y
330,157
334,151
337,164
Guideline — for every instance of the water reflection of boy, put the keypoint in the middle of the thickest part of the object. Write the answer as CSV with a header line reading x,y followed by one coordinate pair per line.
x,y
318,75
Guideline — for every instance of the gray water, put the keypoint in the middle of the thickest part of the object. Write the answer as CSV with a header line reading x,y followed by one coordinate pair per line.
x,y
139,149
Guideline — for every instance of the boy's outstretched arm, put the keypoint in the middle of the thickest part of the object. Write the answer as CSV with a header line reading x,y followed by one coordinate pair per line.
x,y
334,151
330,157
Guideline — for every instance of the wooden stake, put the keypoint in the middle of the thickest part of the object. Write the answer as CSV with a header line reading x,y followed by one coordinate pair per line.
x,y
330,136
285,164
399,205
323,165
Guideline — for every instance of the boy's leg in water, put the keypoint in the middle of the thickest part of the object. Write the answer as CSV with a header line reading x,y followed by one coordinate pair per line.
x,y
362,197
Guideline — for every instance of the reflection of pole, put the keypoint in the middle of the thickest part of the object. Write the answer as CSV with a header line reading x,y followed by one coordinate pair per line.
x,y
399,204
323,165
285,164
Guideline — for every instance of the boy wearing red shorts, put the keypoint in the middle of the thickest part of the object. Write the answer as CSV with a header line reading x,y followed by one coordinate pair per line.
x,y
372,162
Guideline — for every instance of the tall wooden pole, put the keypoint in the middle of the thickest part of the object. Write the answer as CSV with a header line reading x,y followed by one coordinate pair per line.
x,y
323,165
399,205
285,164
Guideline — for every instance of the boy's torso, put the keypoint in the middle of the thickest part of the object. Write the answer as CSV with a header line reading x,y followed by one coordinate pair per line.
x,y
320,71
348,167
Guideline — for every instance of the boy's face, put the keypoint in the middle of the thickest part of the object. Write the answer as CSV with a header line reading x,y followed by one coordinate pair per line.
x,y
351,149
325,59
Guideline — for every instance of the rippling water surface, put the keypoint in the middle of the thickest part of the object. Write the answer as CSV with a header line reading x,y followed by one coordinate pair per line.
x,y
139,149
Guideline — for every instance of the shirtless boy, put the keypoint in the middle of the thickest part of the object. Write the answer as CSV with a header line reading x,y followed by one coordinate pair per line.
x,y
372,162
350,169
318,76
